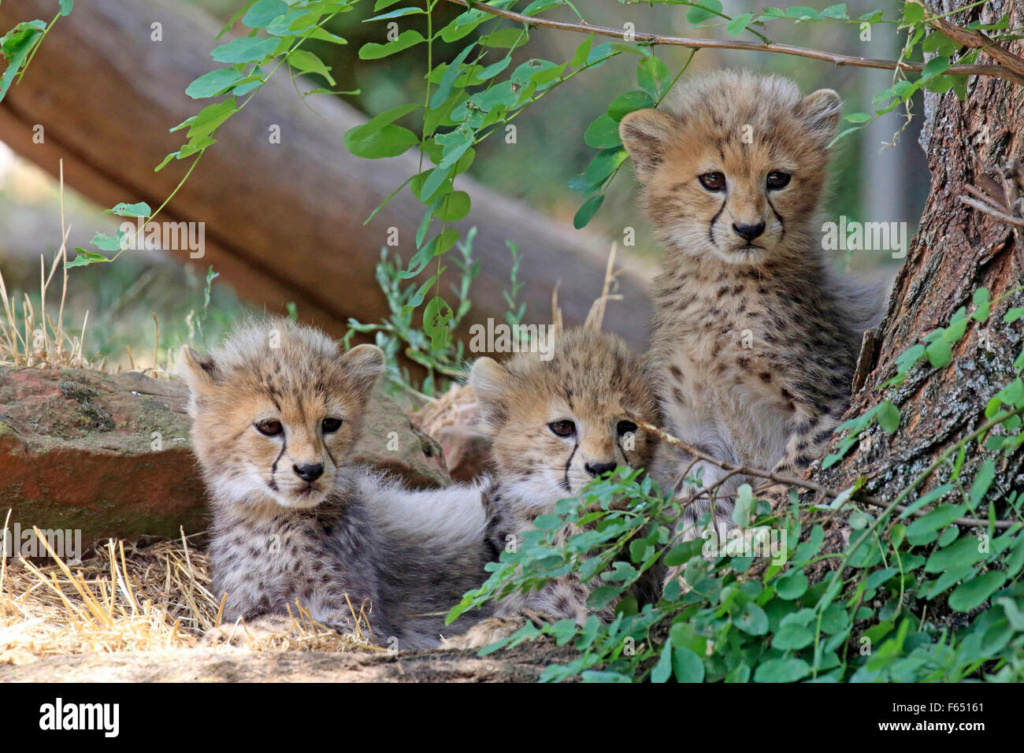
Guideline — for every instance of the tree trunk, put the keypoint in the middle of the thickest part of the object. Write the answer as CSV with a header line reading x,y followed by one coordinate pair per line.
x,y
957,250
284,221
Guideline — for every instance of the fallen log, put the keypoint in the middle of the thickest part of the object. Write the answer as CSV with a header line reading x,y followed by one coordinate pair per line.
x,y
284,221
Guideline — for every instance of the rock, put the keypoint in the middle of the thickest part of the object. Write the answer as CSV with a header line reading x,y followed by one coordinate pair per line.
x,y
109,454
452,420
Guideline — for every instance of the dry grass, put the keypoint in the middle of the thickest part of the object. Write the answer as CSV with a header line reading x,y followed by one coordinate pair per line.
x,y
32,338
129,597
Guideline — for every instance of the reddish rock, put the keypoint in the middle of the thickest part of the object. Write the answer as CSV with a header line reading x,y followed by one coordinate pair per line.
x,y
109,454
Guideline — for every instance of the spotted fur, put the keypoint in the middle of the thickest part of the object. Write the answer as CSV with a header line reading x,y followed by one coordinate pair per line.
x,y
593,382
755,335
277,411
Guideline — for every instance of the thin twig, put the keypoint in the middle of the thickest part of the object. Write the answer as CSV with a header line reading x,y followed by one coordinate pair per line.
x,y
978,40
736,469
992,211
694,43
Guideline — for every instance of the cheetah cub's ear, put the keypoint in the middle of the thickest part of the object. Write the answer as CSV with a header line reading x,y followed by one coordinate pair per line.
x,y
644,133
490,383
199,372
820,112
363,366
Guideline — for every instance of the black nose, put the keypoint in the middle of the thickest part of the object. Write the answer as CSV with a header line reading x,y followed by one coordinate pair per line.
x,y
596,469
748,232
309,473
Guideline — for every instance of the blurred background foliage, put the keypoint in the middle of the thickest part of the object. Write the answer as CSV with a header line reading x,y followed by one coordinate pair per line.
x,y
878,173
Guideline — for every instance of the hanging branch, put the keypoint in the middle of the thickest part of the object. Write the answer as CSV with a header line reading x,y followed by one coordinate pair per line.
x,y
1007,72
734,469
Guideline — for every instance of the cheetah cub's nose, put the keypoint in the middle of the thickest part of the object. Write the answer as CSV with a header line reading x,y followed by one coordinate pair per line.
x,y
309,473
596,469
748,232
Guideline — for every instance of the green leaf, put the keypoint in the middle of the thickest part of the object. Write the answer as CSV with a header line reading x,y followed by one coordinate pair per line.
x,y
84,258
935,66
141,209
934,495
739,24
66,6
939,353
454,207
687,666
506,38
792,637
630,102
752,619
245,50
582,52
653,76
397,14
213,83
982,481
704,10
375,51
263,12
436,316
15,46
965,551
981,301
451,73
106,242
972,593
913,13
782,670
792,585
888,417
602,596
586,212
938,518
663,669
1013,314
603,133
683,553
306,62
378,137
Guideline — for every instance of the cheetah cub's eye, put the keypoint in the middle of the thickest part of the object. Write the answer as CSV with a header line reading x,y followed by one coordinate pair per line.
x,y
778,179
712,181
626,427
330,425
270,427
562,428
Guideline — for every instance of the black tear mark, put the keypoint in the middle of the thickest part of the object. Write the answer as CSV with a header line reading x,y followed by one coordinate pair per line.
x,y
782,222
711,227
565,480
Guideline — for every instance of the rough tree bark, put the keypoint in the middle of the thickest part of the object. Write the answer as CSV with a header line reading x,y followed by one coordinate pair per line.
x,y
957,250
284,222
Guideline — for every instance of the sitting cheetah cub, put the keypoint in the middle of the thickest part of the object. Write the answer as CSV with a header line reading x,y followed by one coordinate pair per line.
x,y
276,413
755,335
555,426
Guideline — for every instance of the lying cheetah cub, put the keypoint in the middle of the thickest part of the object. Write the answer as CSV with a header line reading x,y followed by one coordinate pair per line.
x,y
755,335
276,413
555,426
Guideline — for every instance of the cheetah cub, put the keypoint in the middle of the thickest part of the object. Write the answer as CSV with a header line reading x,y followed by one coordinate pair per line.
x,y
277,411
555,426
755,335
